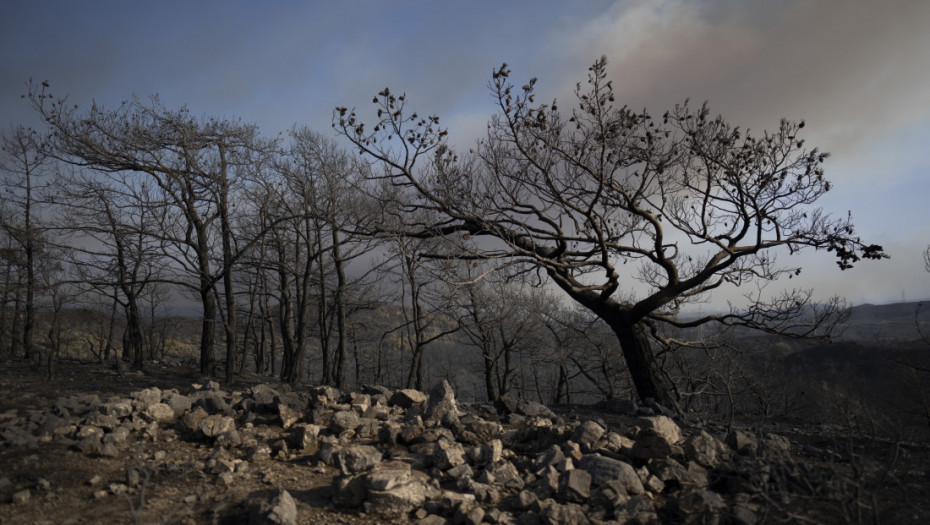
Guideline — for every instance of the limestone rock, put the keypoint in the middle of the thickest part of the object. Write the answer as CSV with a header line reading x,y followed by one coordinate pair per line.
x,y
159,413
287,415
575,486
263,396
486,454
603,469
588,433
448,454
441,403
147,397
344,421
212,426
178,403
704,449
408,397
663,427
303,436
398,501
101,421
118,409
282,510
357,458
534,409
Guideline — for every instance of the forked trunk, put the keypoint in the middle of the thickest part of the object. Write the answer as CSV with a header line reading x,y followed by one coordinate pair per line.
x,y
641,362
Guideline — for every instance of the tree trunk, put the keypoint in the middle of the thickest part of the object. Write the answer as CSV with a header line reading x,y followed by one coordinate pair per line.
x,y
232,330
16,330
29,322
322,322
133,334
641,362
108,345
489,374
207,337
284,317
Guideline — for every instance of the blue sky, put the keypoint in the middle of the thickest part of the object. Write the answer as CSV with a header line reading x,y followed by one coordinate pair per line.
x,y
855,70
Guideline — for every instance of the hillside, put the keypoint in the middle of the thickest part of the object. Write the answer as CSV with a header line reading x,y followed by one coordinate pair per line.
x,y
98,446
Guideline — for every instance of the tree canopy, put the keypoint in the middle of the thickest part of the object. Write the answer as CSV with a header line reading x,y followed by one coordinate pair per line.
x,y
631,215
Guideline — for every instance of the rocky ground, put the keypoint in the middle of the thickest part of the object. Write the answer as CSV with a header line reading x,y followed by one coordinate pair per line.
x,y
97,445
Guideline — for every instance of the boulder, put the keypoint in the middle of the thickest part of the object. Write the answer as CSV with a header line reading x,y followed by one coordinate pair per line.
x,y
548,458
441,404
178,403
282,510
588,433
486,454
343,421
190,421
147,397
355,459
704,449
263,396
397,501
448,454
119,409
287,415
575,486
159,413
408,398
212,426
603,469
534,409
303,436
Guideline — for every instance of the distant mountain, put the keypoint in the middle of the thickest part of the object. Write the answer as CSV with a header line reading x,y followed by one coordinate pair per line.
x,y
896,321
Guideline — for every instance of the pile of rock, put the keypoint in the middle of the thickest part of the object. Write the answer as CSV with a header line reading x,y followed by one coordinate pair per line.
x,y
407,454
418,455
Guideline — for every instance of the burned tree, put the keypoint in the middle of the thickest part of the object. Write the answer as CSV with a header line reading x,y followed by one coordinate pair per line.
x,y
192,165
631,216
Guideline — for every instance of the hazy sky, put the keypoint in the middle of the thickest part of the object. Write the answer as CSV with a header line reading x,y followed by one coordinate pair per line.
x,y
857,71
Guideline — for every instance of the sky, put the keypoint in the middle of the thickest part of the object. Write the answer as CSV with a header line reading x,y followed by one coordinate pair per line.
x,y
856,71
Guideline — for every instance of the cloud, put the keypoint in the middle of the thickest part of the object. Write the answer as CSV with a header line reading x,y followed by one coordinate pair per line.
x,y
854,69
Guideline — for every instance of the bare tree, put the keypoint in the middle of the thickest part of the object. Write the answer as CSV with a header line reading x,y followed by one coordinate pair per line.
x,y
499,315
424,322
22,166
312,208
630,216
195,164
108,218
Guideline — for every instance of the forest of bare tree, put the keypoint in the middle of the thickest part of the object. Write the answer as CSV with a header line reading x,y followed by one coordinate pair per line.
x,y
554,261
